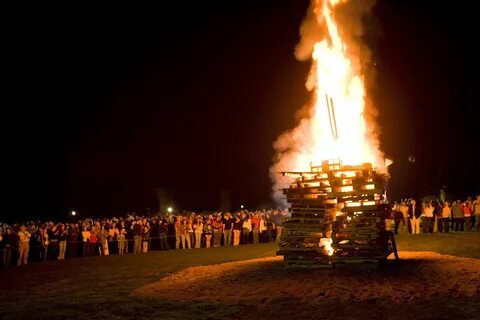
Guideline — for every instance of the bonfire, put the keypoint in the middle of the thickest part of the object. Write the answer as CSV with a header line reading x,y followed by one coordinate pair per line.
x,y
338,193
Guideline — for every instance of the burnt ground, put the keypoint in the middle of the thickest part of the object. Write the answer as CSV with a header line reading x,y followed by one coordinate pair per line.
x,y
438,278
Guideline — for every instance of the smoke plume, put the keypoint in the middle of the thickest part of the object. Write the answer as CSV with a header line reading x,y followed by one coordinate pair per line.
x,y
293,146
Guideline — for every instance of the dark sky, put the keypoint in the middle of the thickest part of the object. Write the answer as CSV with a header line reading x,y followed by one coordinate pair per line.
x,y
110,104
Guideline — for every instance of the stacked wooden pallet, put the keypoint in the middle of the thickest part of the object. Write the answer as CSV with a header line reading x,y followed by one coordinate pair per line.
x,y
344,203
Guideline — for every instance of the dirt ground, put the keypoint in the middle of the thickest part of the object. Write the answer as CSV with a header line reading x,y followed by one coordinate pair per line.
x,y
418,277
437,278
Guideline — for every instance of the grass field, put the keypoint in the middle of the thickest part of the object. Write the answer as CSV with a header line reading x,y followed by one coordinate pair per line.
x,y
100,287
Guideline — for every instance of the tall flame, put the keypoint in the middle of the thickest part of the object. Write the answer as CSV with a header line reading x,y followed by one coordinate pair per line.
x,y
337,126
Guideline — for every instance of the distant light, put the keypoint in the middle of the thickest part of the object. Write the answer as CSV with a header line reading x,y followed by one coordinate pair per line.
x,y
170,209
241,206
73,213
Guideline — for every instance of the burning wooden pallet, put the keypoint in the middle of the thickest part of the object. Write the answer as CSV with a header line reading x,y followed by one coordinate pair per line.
x,y
337,217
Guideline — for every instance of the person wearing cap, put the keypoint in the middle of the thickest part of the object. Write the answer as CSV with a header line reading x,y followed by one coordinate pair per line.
x,y
23,245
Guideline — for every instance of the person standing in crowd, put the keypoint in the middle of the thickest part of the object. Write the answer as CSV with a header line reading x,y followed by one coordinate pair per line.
x,y
255,228
208,230
472,213
61,236
397,217
247,228
237,229
92,241
415,212
476,211
269,227
137,237
103,240
191,233
163,235
122,239
406,219
2,243
228,222
178,231
85,240
43,242
184,236
113,238
428,217
72,244
458,216
198,227
263,228
217,226
278,225
23,245
145,236
467,214
9,241
446,216
389,217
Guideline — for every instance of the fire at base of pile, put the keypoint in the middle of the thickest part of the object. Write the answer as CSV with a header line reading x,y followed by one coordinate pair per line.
x,y
337,217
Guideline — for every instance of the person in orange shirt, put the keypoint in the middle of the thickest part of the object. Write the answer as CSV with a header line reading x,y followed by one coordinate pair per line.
x,y
467,213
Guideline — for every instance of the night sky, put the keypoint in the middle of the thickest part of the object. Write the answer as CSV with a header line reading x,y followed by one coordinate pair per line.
x,y
110,104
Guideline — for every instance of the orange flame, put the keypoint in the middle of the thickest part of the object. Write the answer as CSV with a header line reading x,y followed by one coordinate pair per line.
x,y
337,127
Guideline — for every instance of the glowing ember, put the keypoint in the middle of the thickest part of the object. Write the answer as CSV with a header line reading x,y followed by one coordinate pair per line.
x,y
337,126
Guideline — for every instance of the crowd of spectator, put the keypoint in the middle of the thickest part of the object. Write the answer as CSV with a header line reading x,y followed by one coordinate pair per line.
x,y
429,217
40,241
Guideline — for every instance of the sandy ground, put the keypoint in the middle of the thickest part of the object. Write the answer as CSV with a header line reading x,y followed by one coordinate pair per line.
x,y
419,276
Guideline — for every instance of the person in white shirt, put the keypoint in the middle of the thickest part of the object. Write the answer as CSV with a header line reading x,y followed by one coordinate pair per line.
x,y
23,245
428,217
247,228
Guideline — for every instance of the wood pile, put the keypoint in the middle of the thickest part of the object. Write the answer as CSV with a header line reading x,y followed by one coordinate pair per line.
x,y
341,203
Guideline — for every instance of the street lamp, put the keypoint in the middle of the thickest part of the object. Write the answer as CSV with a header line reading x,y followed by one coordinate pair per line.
x,y
241,206
170,209
73,213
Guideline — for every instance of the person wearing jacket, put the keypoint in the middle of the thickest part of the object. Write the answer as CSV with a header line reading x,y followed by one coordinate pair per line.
x,y
414,214
458,216
72,243
137,236
61,236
